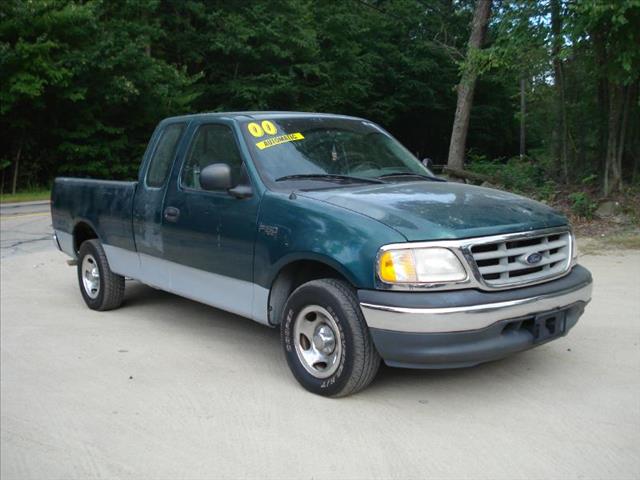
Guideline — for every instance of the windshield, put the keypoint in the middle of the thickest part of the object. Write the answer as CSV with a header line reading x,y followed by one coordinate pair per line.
x,y
326,148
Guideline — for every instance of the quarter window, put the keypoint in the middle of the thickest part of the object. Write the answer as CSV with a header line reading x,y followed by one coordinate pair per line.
x,y
164,154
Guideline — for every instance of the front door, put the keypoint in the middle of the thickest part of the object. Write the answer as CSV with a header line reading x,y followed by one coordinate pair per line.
x,y
210,239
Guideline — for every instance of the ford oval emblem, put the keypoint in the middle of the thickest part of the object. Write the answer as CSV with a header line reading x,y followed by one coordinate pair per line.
x,y
534,258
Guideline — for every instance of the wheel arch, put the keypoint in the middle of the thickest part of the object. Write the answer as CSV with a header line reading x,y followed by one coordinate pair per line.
x,y
294,273
83,231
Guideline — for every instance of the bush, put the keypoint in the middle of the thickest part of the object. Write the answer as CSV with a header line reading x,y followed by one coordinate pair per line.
x,y
522,176
582,204
548,190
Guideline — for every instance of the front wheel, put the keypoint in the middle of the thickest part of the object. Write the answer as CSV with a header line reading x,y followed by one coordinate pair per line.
x,y
101,288
326,340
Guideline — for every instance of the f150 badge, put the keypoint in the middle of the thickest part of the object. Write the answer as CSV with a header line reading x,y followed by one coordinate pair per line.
x,y
268,230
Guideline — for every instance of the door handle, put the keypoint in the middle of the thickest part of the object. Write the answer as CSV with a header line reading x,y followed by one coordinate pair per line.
x,y
171,214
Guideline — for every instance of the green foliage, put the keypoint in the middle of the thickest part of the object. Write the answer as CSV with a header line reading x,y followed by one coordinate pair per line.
x,y
618,24
582,204
84,82
28,195
79,93
523,176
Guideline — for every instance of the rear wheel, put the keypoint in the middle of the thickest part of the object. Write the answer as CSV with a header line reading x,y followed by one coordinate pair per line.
x,y
101,289
326,340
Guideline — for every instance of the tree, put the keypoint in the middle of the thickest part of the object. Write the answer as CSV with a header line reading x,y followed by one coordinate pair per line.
x,y
83,82
520,52
611,30
466,87
72,74
561,132
33,39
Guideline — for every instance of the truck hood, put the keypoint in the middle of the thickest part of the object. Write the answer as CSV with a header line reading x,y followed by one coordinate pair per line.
x,y
442,211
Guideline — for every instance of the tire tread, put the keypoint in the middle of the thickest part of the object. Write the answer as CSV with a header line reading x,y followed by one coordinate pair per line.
x,y
113,284
366,359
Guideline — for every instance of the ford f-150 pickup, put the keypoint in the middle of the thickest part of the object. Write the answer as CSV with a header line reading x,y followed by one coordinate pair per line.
x,y
328,228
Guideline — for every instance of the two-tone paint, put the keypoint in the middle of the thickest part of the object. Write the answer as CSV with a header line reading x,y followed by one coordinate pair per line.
x,y
229,252
222,251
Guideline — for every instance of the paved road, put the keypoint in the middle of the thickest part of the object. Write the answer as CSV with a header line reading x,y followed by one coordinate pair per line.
x,y
25,227
168,388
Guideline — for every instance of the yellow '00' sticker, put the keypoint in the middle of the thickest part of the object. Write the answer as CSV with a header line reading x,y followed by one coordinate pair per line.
x,y
255,129
269,128
270,142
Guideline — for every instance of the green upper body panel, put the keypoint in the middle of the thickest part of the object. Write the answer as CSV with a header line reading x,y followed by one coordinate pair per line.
x,y
341,222
296,227
426,210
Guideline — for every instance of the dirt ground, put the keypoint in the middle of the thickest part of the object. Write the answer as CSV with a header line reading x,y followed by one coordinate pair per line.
x,y
167,388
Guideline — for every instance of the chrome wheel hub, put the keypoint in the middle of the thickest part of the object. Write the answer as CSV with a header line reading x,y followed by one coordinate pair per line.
x,y
324,340
317,341
90,276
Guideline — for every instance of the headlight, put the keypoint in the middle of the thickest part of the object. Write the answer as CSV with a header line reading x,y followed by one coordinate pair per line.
x,y
420,265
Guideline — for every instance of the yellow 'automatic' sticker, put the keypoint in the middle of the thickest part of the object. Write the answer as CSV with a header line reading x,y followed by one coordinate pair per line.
x,y
270,142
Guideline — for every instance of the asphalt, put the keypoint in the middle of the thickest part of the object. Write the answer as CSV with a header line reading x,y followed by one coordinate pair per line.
x,y
167,388
25,227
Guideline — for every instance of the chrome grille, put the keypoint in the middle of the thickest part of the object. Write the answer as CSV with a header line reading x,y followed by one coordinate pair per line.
x,y
523,260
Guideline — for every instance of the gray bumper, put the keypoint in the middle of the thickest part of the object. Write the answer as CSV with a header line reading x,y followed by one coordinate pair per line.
x,y
56,243
63,241
467,327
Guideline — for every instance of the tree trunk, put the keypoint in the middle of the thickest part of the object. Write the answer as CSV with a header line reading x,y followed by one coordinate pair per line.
x,y
523,113
561,110
16,165
603,109
633,138
612,172
466,87
606,103
564,130
628,96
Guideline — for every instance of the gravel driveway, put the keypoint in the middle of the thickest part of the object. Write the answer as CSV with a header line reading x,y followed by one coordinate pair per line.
x,y
168,388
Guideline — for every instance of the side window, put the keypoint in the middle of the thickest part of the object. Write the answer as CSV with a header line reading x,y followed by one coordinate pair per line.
x,y
164,154
213,143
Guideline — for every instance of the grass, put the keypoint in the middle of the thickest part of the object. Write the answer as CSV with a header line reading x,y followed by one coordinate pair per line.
x,y
26,196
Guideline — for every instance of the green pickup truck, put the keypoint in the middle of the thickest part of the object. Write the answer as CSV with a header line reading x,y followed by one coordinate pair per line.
x,y
328,228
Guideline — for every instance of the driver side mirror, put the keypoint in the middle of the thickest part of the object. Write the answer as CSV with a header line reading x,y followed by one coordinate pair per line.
x,y
216,176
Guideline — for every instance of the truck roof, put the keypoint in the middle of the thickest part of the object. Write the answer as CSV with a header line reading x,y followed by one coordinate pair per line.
x,y
255,115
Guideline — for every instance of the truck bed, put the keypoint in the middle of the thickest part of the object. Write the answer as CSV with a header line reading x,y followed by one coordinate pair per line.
x,y
105,205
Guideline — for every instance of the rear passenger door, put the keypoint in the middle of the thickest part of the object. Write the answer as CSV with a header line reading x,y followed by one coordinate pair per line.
x,y
152,185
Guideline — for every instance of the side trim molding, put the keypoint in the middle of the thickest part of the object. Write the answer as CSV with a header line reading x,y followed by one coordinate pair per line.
x,y
218,291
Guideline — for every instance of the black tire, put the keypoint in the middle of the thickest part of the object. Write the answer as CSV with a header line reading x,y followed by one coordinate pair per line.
x,y
359,360
110,293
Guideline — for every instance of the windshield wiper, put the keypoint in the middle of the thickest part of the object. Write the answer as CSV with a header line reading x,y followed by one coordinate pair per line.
x,y
411,174
329,177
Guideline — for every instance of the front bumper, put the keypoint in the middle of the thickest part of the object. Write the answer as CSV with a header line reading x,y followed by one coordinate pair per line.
x,y
466,327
